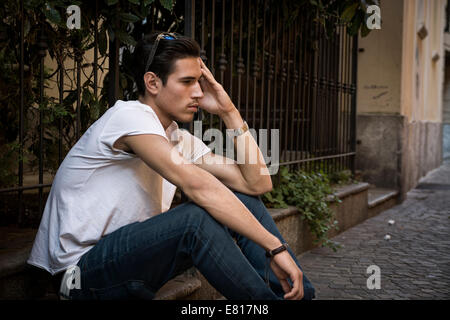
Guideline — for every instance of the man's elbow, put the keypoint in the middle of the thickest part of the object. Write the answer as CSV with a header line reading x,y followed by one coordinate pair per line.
x,y
199,189
263,187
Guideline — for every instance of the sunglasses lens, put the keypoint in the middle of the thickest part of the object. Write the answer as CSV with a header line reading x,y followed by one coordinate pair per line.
x,y
168,37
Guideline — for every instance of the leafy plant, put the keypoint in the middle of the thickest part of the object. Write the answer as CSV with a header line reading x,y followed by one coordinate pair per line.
x,y
341,177
330,13
335,174
309,192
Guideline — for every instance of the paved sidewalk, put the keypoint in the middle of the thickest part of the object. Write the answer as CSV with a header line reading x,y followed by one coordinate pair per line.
x,y
414,263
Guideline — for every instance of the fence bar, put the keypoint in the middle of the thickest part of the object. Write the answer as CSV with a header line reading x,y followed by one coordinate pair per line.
x,y
353,106
22,188
306,86
240,61
202,37
344,101
282,105
189,31
315,103
328,137
343,155
334,103
247,78
290,88
331,102
222,58
96,50
61,101
336,52
285,95
213,27
78,66
293,154
113,55
263,57
230,89
344,96
270,71
341,94
21,112
42,48
320,93
275,83
212,60
203,55
302,92
347,88
255,65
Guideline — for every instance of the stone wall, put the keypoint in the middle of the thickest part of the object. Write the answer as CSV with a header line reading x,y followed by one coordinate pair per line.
x,y
395,153
446,141
378,149
422,152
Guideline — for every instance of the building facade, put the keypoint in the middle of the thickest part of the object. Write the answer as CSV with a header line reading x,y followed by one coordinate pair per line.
x,y
400,100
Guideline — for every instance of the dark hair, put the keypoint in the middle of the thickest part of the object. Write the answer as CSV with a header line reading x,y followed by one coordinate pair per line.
x,y
167,52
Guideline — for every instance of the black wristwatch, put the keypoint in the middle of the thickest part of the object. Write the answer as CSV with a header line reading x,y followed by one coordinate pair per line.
x,y
271,253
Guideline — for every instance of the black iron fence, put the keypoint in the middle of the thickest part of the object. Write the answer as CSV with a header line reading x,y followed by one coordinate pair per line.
x,y
287,75
447,18
290,76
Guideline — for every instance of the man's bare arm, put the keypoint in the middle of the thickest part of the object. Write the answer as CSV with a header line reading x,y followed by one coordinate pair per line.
x,y
209,193
200,186
250,162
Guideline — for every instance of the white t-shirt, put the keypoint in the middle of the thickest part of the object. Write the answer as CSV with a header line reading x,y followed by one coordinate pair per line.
x,y
98,189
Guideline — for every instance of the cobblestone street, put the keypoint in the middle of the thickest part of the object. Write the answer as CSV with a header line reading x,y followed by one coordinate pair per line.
x,y
414,262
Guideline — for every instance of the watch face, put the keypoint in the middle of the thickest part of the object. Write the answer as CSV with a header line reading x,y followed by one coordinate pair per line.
x,y
239,131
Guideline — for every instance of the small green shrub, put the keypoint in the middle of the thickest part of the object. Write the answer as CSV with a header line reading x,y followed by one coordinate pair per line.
x,y
310,193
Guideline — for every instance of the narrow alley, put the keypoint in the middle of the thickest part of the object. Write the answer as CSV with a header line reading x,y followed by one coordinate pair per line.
x,y
410,243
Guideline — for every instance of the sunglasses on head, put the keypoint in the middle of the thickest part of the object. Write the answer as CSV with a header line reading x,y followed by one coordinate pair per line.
x,y
162,35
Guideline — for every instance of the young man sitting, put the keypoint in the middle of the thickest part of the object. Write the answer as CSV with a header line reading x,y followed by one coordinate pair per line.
x,y
108,211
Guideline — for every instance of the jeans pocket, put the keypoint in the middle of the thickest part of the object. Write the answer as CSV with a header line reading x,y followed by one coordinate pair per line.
x,y
131,289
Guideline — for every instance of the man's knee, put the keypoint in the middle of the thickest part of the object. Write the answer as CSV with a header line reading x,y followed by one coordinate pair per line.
x,y
193,212
247,198
196,217
253,203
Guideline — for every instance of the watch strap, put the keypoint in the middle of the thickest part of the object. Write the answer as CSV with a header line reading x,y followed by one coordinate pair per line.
x,y
271,253
239,131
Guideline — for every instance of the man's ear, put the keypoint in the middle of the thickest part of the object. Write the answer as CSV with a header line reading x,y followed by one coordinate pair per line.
x,y
152,82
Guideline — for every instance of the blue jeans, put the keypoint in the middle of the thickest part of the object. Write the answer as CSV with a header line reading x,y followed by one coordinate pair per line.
x,y
138,259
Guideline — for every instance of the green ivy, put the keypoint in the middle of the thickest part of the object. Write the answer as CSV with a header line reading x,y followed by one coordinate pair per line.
x,y
328,13
309,192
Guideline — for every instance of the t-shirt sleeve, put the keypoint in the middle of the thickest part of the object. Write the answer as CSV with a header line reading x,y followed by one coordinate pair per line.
x,y
128,122
192,147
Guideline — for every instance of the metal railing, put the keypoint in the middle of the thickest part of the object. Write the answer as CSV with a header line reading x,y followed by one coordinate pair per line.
x,y
294,78
447,17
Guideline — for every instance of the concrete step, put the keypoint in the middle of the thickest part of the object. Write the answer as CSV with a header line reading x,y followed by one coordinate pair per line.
x,y
380,195
182,287
381,199
17,279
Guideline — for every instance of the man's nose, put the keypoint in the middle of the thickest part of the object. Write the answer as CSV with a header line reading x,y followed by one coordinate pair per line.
x,y
198,92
